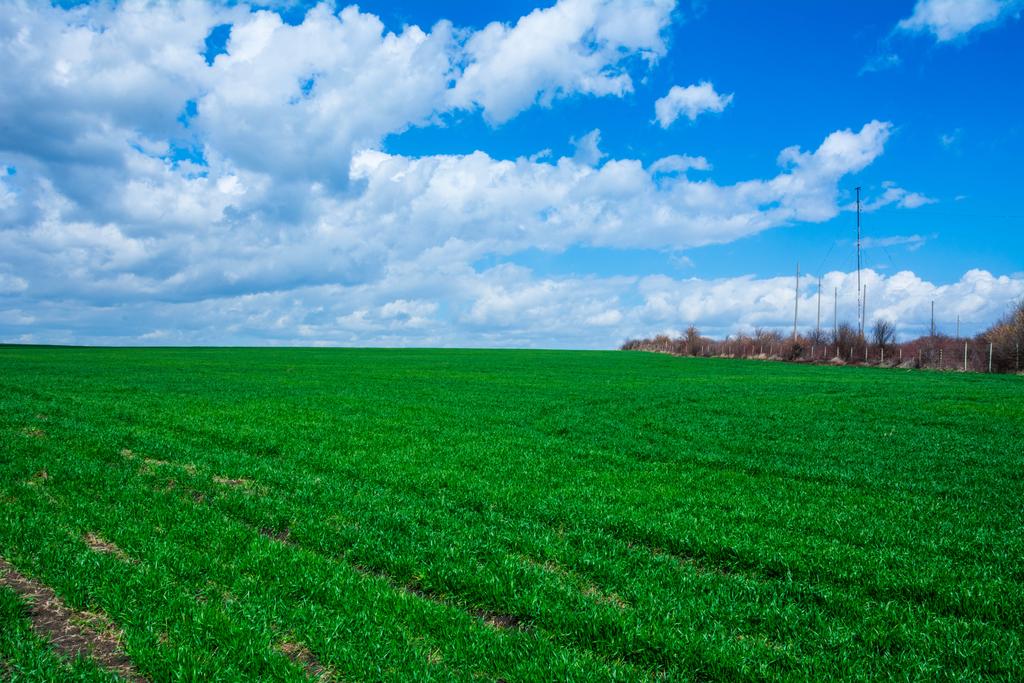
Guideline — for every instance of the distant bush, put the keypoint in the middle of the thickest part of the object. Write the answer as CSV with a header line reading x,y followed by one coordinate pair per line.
x,y
1006,338
845,337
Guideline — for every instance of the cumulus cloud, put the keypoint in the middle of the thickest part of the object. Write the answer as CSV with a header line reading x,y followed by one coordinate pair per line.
x,y
950,19
178,237
83,88
503,206
11,284
911,242
691,101
587,150
576,46
952,139
881,61
679,163
893,194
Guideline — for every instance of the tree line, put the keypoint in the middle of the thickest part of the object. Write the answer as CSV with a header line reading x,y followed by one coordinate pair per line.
x,y
997,349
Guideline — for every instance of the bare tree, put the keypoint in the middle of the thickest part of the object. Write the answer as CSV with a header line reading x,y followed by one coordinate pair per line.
x,y
818,336
845,335
883,334
693,340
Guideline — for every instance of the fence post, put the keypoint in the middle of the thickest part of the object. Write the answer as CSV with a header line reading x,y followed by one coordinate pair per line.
x,y
965,356
990,356
882,360
940,358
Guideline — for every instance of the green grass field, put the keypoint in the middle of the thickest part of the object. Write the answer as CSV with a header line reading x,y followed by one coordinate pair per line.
x,y
369,515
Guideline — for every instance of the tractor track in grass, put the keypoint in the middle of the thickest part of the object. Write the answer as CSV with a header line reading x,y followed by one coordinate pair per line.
x,y
684,558
204,437
304,657
491,618
724,563
726,560
71,632
201,436
289,648
149,480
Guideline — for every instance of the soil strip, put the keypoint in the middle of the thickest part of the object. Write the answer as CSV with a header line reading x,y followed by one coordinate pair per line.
x,y
99,545
65,628
301,655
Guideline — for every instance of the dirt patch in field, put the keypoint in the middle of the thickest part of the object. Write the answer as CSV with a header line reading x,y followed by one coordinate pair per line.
x,y
72,632
500,621
233,483
610,598
279,535
99,545
301,655
34,432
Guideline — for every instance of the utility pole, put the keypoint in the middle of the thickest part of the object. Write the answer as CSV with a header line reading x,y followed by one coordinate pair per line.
x,y
860,323
864,311
796,299
835,317
817,326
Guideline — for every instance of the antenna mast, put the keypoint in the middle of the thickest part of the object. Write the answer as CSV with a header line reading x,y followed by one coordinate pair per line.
x,y
860,310
817,327
796,299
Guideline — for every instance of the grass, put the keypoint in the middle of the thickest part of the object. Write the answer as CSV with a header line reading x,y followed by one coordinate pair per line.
x,y
517,515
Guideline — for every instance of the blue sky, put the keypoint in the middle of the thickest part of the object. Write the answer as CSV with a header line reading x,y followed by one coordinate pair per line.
x,y
495,174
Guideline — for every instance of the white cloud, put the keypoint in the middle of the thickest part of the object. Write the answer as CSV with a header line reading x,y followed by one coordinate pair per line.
x,y
950,139
11,284
893,194
576,46
950,19
912,242
679,163
587,151
881,62
502,206
175,237
293,101
691,101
